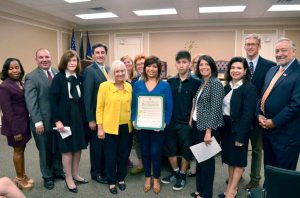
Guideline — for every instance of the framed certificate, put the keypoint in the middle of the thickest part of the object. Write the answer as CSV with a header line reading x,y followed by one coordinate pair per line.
x,y
150,112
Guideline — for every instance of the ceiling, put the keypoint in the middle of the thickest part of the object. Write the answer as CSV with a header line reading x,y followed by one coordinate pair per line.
x,y
187,10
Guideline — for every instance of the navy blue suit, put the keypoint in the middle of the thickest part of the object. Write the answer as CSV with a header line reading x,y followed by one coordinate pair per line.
x,y
92,78
282,143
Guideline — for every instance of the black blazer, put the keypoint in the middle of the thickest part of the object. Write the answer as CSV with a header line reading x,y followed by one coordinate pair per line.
x,y
258,79
59,100
242,109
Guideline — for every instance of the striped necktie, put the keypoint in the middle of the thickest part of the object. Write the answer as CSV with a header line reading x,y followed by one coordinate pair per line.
x,y
270,87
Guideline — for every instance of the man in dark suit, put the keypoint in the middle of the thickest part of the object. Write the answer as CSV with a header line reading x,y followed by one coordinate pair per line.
x,y
93,76
37,94
278,109
258,68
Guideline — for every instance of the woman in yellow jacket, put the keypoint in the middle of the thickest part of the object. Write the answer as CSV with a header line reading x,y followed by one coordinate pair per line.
x,y
114,125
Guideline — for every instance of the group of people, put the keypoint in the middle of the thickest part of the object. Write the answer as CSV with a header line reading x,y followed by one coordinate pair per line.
x,y
259,101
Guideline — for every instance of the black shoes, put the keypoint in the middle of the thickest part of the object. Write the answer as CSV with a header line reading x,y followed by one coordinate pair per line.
x,y
59,176
82,181
100,179
73,190
122,186
113,190
48,183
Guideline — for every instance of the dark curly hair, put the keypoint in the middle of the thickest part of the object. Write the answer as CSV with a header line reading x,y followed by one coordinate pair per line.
x,y
246,78
211,63
4,72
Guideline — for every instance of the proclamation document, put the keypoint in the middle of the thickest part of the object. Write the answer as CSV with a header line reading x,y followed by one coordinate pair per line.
x,y
204,151
150,112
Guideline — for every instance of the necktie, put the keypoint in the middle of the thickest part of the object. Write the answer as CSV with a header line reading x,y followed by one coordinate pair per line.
x,y
251,68
270,87
49,76
74,82
104,72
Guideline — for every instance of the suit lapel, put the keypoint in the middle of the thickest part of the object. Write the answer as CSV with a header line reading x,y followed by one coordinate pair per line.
x,y
43,76
284,75
258,70
99,72
269,78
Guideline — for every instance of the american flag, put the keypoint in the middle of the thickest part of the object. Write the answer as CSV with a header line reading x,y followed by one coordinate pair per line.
x,y
73,42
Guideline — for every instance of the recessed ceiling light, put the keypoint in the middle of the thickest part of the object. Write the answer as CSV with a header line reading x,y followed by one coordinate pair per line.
x,y
97,15
295,7
221,9
155,12
76,1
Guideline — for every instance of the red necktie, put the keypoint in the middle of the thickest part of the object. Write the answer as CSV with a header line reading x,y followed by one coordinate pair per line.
x,y
49,76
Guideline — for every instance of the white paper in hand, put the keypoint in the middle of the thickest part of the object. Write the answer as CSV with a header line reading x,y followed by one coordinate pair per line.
x,y
67,132
204,151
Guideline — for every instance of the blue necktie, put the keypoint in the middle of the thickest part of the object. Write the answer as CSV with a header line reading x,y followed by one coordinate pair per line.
x,y
251,67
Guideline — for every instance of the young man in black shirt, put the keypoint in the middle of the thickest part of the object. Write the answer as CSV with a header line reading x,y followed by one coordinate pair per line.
x,y
179,133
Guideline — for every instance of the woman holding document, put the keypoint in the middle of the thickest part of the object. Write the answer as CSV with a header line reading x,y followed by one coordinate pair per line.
x,y
206,117
114,125
67,111
238,111
151,140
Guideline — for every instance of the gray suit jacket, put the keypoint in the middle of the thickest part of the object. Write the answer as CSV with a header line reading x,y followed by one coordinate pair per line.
x,y
37,96
92,78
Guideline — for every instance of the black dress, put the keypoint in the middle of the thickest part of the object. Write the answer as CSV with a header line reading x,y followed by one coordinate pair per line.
x,y
70,112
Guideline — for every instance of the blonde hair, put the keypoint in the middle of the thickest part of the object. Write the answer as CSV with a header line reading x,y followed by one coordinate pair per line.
x,y
117,64
255,36
133,72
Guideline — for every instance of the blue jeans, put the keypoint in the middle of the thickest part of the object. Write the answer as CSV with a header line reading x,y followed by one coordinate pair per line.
x,y
151,143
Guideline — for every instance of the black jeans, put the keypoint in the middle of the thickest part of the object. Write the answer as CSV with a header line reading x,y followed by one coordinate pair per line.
x,y
205,171
116,151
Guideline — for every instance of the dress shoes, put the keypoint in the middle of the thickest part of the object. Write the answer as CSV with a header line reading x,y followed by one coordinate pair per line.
x,y
194,194
122,186
59,176
113,190
81,181
222,195
100,179
48,183
190,174
73,190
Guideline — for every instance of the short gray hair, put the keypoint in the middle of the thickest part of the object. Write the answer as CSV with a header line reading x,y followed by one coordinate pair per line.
x,y
255,36
117,64
293,45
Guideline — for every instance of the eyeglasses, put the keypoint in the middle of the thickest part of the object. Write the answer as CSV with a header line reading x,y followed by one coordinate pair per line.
x,y
251,44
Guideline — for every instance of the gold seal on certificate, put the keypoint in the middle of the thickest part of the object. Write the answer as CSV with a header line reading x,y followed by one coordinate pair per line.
x,y
150,112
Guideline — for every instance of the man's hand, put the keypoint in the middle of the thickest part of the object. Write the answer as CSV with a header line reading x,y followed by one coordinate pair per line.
x,y
92,125
40,129
269,124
